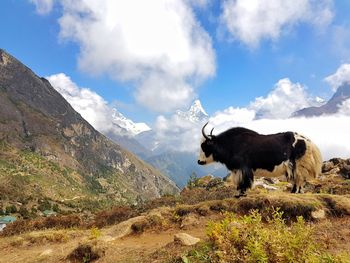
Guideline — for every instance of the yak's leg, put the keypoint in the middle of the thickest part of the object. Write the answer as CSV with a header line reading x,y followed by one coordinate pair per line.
x,y
235,179
294,176
246,182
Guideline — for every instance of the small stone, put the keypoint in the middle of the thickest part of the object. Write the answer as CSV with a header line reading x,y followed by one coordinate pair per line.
x,y
318,214
185,239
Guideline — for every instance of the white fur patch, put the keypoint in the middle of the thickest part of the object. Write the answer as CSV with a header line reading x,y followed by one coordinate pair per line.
x,y
202,157
234,178
283,169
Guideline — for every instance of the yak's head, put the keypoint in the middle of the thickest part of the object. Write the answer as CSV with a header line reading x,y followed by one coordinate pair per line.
x,y
207,147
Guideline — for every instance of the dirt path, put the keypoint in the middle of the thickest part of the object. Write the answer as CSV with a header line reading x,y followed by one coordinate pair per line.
x,y
133,248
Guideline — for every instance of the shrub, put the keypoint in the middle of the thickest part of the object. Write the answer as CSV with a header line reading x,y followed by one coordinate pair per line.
x,y
86,253
113,216
22,226
95,233
11,209
44,205
249,239
167,200
23,211
192,181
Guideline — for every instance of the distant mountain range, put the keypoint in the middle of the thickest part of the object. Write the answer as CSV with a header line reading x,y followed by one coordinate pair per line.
x,y
129,128
39,129
196,113
331,107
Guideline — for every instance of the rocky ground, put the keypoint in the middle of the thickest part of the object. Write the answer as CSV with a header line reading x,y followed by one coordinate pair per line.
x,y
171,228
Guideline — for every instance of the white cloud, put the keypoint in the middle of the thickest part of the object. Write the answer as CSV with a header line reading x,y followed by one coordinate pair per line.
x,y
175,133
282,101
43,7
330,133
89,104
158,46
93,108
156,94
340,77
255,20
235,116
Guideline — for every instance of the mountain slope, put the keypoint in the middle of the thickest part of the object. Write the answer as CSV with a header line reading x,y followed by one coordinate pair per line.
x,y
35,118
331,107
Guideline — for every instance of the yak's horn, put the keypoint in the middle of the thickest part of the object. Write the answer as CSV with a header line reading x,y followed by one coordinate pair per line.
x,y
211,132
203,133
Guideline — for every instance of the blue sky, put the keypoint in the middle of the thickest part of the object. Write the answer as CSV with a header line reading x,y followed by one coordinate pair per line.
x,y
310,44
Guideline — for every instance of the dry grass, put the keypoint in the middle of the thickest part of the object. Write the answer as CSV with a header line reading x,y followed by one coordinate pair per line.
x,y
293,205
113,216
23,226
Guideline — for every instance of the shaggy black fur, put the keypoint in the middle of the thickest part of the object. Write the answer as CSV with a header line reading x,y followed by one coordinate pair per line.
x,y
246,150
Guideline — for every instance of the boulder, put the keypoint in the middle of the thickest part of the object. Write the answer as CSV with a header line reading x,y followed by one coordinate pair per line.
x,y
126,227
318,214
337,166
186,239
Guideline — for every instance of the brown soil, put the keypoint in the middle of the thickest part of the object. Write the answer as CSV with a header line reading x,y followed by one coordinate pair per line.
x,y
133,248
155,243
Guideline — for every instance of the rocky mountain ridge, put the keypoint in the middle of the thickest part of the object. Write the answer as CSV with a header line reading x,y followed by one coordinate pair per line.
x,y
330,107
34,117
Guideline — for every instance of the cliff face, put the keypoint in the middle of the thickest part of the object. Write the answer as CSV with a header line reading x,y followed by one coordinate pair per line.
x,y
35,118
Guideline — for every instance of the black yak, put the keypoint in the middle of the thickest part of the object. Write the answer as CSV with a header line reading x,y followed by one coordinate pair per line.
x,y
247,153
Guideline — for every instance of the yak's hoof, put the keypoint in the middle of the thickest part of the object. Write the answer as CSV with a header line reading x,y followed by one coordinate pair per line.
x,y
240,195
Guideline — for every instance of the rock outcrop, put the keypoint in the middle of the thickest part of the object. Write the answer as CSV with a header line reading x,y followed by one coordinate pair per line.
x,y
337,166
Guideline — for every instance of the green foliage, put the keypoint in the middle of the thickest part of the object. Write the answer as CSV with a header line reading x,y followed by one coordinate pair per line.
x,y
10,209
44,205
250,239
95,233
201,254
23,211
192,181
56,208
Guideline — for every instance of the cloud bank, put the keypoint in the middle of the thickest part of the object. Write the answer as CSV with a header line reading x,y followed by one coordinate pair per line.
x,y
158,46
267,115
285,98
253,21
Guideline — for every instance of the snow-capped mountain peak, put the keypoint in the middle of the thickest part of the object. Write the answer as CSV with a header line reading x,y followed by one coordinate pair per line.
x,y
128,125
196,113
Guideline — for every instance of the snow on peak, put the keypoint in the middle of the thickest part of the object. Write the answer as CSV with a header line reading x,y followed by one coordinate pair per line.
x,y
196,113
131,127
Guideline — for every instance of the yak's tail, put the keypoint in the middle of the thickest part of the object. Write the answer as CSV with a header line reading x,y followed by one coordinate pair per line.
x,y
309,166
